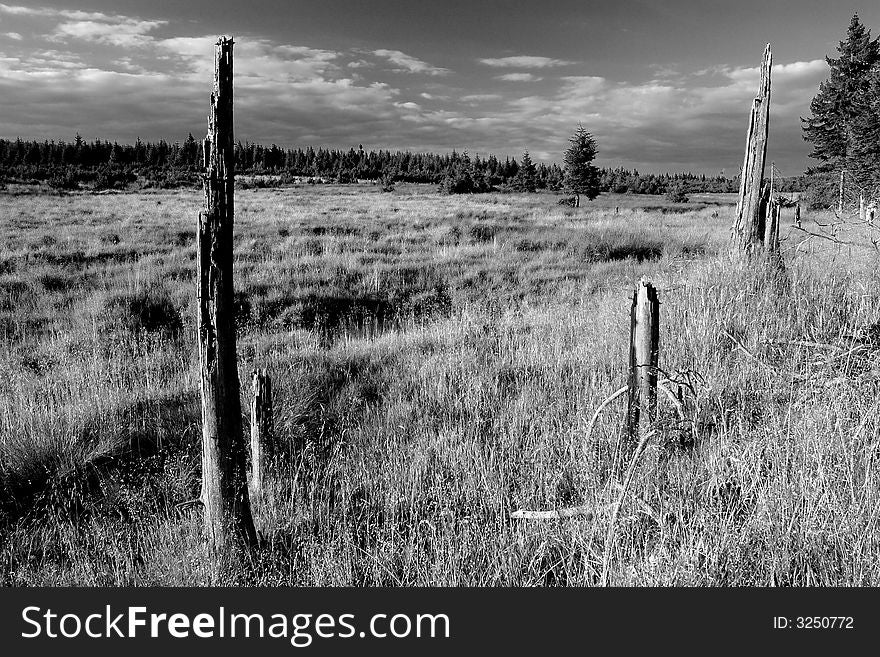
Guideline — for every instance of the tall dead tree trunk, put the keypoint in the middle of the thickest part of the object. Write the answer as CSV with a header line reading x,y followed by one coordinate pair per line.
x,y
840,193
748,230
228,519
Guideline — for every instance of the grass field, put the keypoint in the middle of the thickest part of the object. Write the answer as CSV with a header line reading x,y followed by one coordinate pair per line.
x,y
436,363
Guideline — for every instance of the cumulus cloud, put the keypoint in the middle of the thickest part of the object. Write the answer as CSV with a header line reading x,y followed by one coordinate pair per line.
x,y
409,64
114,31
479,98
118,77
524,61
518,77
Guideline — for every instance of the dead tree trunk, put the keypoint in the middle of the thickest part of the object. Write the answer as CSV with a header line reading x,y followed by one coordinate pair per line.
x,y
644,352
261,440
228,520
748,233
840,194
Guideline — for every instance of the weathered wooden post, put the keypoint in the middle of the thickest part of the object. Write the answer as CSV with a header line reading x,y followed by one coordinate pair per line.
x,y
644,352
261,438
748,229
228,519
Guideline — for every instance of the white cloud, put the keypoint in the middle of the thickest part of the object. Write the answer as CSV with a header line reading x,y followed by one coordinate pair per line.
x,y
524,61
409,64
115,30
15,36
143,81
75,15
480,98
518,77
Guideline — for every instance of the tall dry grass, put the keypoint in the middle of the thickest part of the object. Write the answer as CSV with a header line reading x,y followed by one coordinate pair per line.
x,y
436,362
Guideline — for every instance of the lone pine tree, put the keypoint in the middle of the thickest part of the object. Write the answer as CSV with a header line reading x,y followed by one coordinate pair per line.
x,y
581,177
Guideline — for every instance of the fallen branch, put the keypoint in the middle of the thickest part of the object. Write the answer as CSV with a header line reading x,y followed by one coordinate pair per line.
x,y
830,238
642,504
183,505
601,408
586,510
609,537
678,405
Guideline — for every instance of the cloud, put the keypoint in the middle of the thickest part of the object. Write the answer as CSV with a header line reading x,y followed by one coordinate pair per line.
x,y
115,30
71,14
524,61
480,98
518,77
141,82
667,124
15,36
409,64
117,77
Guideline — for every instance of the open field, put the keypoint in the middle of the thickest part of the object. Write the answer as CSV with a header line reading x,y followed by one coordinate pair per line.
x,y
436,363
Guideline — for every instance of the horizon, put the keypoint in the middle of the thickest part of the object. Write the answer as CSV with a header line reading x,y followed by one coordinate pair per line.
x,y
663,89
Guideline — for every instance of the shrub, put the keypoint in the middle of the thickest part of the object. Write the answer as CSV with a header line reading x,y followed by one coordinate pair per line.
x,y
460,179
113,178
677,193
482,232
65,179
146,311
821,193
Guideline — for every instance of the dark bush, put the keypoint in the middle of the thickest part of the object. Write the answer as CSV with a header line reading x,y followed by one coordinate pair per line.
x,y
146,311
822,192
482,232
461,179
65,179
677,194
109,177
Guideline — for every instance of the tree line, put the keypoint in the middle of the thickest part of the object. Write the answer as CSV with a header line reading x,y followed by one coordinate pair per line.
x,y
101,164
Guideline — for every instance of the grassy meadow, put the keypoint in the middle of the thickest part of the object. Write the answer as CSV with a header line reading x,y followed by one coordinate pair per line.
x,y
436,365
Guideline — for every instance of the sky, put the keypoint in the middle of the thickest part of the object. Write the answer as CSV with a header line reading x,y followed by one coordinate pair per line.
x,y
663,86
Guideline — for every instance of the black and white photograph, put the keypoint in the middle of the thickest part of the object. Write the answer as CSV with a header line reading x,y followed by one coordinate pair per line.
x,y
459,294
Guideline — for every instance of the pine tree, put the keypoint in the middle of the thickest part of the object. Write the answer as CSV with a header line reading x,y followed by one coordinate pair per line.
x,y
581,177
837,117
865,158
525,179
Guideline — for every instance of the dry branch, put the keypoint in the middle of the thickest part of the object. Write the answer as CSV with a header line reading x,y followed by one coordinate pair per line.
x,y
601,408
586,510
609,537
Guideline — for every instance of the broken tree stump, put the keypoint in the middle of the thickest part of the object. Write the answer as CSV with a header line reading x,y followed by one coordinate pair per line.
x,y
262,427
228,519
748,229
771,229
644,355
